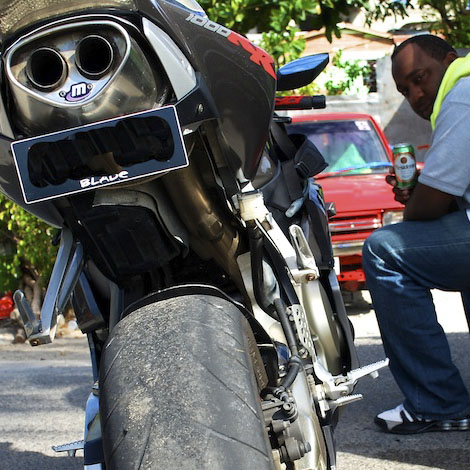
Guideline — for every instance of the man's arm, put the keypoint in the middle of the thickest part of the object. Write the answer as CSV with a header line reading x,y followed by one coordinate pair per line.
x,y
447,163
426,203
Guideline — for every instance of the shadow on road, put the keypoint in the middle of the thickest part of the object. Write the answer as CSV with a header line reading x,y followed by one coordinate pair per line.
x,y
79,395
449,459
356,302
358,436
22,460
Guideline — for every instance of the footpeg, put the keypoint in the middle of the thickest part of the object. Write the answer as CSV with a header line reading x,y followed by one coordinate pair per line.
x,y
356,374
340,387
71,448
348,399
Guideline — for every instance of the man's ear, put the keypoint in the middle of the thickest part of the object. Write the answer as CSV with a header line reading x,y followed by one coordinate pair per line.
x,y
449,58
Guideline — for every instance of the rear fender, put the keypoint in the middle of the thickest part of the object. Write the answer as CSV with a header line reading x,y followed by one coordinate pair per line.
x,y
200,289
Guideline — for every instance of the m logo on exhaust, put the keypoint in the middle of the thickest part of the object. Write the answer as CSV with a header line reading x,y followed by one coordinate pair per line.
x,y
78,91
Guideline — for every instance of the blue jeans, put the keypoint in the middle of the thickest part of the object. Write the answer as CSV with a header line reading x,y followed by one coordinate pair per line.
x,y
402,262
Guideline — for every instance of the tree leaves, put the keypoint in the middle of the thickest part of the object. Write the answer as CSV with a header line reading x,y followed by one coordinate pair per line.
x,y
276,15
278,20
452,19
25,246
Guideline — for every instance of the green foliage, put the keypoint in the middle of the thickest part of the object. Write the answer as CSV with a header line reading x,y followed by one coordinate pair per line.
x,y
278,20
26,243
331,12
284,46
265,15
349,72
384,9
308,90
452,19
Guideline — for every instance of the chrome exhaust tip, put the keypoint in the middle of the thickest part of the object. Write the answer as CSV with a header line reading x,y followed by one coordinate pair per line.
x,y
94,56
105,72
46,69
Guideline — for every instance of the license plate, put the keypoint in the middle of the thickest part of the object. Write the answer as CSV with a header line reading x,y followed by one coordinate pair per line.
x,y
100,154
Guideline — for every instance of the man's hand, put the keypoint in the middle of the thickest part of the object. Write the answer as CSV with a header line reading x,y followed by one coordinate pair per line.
x,y
421,201
401,195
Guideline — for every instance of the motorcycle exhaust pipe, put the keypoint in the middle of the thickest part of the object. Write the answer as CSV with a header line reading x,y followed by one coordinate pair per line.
x,y
94,56
46,69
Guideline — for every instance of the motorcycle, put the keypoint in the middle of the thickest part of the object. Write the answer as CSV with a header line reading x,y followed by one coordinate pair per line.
x,y
194,243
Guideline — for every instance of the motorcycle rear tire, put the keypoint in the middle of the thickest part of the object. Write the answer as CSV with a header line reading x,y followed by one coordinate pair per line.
x,y
178,390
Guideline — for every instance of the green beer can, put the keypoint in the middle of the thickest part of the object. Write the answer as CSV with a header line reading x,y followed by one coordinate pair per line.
x,y
404,164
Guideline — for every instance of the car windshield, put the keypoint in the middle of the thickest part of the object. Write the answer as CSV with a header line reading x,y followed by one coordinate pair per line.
x,y
348,146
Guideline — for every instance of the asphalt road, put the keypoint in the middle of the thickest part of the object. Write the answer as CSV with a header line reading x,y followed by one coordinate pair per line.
x,y
362,446
43,392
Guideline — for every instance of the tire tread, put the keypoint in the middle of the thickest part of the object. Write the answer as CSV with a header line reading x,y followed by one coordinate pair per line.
x,y
177,390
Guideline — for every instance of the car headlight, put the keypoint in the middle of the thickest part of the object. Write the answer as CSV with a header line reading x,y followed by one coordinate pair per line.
x,y
392,217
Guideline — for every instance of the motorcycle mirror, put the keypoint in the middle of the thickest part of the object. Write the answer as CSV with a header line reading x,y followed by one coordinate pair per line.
x,y
301,72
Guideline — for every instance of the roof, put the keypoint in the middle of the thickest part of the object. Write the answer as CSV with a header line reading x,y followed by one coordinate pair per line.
x,y
361,42
348,28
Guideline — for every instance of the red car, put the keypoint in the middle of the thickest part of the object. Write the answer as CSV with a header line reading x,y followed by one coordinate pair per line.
x,y
358,157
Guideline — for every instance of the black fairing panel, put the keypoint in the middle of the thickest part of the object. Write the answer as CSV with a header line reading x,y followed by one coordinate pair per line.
x,y
125,241
240,78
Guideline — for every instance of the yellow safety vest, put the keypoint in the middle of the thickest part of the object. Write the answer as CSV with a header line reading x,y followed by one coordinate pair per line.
x,y
457,69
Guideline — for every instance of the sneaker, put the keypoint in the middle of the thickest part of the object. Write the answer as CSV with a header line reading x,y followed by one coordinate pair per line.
x,y
401,421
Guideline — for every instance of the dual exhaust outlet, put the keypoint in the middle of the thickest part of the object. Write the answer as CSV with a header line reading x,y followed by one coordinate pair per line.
x,y
47,69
